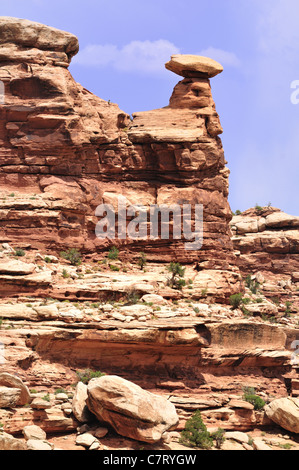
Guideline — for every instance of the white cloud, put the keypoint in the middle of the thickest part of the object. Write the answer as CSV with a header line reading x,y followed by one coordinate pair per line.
x,y
278,26
140,56
224,57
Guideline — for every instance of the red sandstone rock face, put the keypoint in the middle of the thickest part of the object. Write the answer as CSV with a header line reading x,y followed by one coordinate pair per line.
x,y
64,151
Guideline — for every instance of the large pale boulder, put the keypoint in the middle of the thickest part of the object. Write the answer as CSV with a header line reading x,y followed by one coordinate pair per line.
x,y
16,267
34,432
35,444
130,410
11,381
8,442
285,413
9,397
80,409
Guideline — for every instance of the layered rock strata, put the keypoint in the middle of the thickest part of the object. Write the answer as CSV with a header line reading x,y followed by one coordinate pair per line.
x,y
266,241
64,151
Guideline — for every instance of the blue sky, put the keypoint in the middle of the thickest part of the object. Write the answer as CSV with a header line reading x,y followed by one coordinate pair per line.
x,y
123,48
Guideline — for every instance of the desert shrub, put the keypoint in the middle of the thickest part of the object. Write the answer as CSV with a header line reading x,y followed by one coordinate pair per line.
x,y
46,397
113,253
251,397
114,268
59,390
196,434
258,209
177,274
236,300
142,260
65,274
86,375
288,309
19,252
73,256
252,284
132,297
218,436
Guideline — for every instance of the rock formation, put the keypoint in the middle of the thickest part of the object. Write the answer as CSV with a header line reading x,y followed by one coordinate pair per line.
x,y
130,410
266,242
64,151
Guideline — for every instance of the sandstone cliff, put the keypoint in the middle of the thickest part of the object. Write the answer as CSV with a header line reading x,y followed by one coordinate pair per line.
x,y
64,151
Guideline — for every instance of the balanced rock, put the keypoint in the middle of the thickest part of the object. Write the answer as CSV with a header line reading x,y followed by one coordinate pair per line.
x,y
130,410
188,65
84,151
285,413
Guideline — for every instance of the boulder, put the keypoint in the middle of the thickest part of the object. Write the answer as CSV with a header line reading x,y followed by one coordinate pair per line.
x,y
86,440
34,444
237,436
8,442
11,381
130,410
80,409
9,397
259,444
188,65
285,413
34,432
16,267
40,404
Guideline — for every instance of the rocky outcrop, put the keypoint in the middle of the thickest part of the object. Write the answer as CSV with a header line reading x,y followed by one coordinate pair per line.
x,y
64,151
267,239
130,410
266,243
285,413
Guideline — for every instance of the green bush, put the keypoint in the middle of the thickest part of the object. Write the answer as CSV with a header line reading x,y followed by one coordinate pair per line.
x,y
251,397
19,252
142,260
218,436
113,253
88,374
73,256
133,297
236,300
253,285
114,268
177,273
65,274
258,209
196,434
